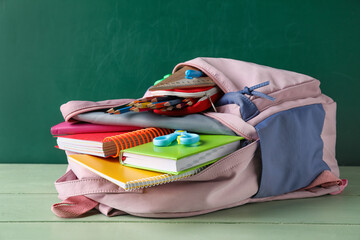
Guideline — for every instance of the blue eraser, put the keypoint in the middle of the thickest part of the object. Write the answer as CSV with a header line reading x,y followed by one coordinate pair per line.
x,y
189,74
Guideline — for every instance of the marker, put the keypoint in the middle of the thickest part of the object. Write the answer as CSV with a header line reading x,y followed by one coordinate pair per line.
x,y
190,74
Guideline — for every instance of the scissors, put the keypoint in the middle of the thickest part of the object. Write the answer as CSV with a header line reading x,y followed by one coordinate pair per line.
x,y
182,137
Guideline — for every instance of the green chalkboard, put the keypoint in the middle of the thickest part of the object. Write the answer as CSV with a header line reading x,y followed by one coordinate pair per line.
x,y
53,51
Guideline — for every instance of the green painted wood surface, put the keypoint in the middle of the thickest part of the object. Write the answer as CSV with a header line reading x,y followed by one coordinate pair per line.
x,y
27,193
53,51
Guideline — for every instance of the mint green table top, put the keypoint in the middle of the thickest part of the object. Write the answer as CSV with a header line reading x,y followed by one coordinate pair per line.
x,y
27,193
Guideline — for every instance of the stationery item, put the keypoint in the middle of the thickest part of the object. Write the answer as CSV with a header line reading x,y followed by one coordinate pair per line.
x,y
181,105
290,152
142,105
190,74
84,127
202,104
162,98
182,137
177,157
127,107
108,144
156,105
112,110
122,110
140,109
178,80
126,177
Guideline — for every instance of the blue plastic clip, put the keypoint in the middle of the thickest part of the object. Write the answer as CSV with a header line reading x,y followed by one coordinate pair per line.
x,y
182,137
190,74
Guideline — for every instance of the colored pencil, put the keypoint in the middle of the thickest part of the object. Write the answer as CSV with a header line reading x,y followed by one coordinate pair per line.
x,y
162,98
172,102
135,109
181,105
122,110
142,105
112,110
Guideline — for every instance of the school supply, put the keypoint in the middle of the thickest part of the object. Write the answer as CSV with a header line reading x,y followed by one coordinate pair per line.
x,y
179,80
146,104
288,151
108,144
201,100
126,177
185,83
178,157
65,128
182,137
181,102
190,74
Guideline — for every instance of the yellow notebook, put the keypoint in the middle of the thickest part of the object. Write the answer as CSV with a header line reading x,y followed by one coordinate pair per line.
x,y
126,177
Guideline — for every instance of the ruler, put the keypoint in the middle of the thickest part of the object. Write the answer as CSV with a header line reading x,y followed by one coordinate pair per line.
x,y
178,80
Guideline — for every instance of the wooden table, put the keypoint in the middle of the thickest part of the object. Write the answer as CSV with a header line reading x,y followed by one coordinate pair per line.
x,y
27,193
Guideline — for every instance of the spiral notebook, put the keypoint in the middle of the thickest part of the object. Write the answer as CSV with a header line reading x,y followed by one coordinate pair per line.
x,y
108,144
126,177
176,158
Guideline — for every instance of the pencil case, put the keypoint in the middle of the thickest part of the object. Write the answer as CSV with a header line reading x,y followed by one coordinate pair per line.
x,y
290,132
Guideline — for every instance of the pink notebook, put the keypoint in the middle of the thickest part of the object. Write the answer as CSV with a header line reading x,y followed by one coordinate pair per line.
x,y
83,127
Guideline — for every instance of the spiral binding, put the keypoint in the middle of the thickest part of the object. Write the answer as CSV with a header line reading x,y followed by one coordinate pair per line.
x,y
135,138
159,180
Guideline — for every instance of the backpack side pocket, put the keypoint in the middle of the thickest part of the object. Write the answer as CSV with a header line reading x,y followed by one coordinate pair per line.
x,y
291,149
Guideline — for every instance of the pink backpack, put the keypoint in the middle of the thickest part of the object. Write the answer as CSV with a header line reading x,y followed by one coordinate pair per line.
x,y
291,131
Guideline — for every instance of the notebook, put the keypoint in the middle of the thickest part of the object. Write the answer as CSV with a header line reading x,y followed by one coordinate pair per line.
x,y
177,157
126,177
108,144
84,127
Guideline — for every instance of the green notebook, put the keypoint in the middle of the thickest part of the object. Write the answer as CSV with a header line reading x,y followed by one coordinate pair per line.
x,y
178,158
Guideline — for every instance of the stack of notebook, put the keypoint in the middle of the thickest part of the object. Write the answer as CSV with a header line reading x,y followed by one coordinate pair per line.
x,y
126,156
141,164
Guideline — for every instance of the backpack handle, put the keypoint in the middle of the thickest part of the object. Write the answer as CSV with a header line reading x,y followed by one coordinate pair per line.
x,y
73,207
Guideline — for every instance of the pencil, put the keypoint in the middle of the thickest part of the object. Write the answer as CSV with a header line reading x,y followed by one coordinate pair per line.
x,y
162,98
156,105
181,105
173,102
122,110
112,110
142,105
140,100
135,109
190,101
